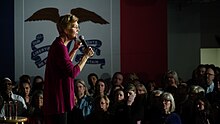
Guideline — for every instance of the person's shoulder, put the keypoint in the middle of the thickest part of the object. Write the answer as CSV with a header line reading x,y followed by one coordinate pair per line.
x,y
57,41
57,44
89,98
175,115
173,118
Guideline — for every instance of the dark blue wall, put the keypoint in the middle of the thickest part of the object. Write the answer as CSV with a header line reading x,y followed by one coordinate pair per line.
x,y
7,39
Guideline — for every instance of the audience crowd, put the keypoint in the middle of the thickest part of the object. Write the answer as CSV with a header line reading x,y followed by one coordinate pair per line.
x,y
125,99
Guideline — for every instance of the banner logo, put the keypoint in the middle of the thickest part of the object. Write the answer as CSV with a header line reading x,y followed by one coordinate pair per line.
x,y
39,62
36,52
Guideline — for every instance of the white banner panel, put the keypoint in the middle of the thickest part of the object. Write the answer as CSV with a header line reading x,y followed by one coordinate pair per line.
x,y
33,38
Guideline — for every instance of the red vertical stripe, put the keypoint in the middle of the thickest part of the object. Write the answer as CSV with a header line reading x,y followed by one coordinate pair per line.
x,y
144,38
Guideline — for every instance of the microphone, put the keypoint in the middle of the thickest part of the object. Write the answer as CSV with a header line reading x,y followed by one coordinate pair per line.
x,y
81,38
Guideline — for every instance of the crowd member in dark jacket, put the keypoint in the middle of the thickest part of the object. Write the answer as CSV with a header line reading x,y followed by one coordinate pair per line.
x,y
100,114
134,105
167,114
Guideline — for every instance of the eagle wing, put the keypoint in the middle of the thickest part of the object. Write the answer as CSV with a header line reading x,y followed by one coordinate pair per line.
x,y
86,15
51,14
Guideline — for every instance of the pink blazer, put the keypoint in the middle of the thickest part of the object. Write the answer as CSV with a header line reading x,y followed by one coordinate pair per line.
x,y
59,80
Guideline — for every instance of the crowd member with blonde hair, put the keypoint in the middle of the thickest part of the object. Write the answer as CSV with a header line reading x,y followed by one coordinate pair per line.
x,y
169,116
101,114
84,99
141,89
171,78
185,109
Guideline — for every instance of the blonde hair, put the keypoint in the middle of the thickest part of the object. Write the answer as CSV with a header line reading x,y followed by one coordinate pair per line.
x,y
66,22
97,101
175,75
131,87
105,97
84,84
195,89
142,87
169,96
